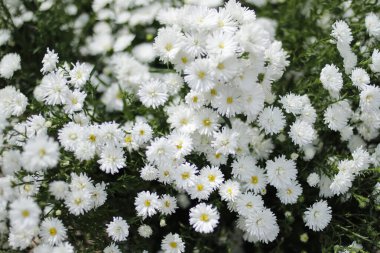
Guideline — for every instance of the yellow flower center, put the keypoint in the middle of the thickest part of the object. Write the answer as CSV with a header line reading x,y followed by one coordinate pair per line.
x,y
289,191
169,47
221,45
254,179
147,203
201,75
52,231
92,138
128,139
218,155
229,100
185,175
204,217
220,66
195,99
200,187
142,132
213,92
211,178
184,60
78,201
167,203
206,122
184,121
173,245
25,213
42,152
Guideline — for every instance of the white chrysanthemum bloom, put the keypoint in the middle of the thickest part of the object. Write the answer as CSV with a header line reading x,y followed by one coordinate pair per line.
x,y
361,159
168,204
12,102
341,32
144,52
262,225
370,98
341,182
69,136
141,132
360,78
5,35
182,142
185,175
182,118
281,172
63,248
153,93
78,202
195,99
375,58
111,133
337,115
118,229
7,192
49,61
318,216
229,101
54,89
160,151
147,204
331,79
248,203
226,68
98,194
313,179
40,153
112,248
255,179
80,182
145,231
309,114
289,194
74,101
112,159
24,213
9,64
302,133
207,121
242,165
372,23
58,189
10,161
199,76
272,120
172,243
80,74
201,190
21,238
52,231
214,176
149,173
225,141
229,190
204,218
43,248
221,44
294,104
166,174
167,43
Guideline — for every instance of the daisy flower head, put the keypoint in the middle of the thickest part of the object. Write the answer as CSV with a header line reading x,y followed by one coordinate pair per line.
x,y
40,153
145,231
52,231
221,44
229,190
204,218
9,64
149,173
313,179
207,121
49,61
229,101
281,172
214,176
80,74
118,229
168,43
182,142
360,78
331,79
12,102
24,213
147,204
168,204
302,133
341,32
248,203
160,150
262,225
185,175
54,89
289,194
272,120
172,243
198,75
112,159
112,248
225,141
318,216
255,180
153,93
201,190
78,202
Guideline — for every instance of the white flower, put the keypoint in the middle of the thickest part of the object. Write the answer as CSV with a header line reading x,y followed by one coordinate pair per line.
x,y
58,189
272,120
313,179
289,194
160,151
214,176
360,78
281,172
147,204
262,225
99,194
225,141
337,115
168,204
172,243
255,179
12,102
112,248
204,218
80,74
78,202
207,121
52,231
112,159
302,133
24,213
9,64
74,101
341,32
229,190
49,61
199,76
229,101
318,216
54,89
372,23
185,175
201,190
145,231
167,43
248,203
221,44
370,98
118,229
341,182
141,132
375,65
153,93
331,79
10,161
40,153
149,172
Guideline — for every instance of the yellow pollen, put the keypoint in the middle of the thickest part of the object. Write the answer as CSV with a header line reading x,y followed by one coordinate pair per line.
x,y
77,201
52,231
166,173
200,187
185,175
221,45
27,187
184,60
289,191
167,203
218,155
74,101
147,203
184,121
220,23
168,46
173,245
206,122
92,138
179,146
25,213
195,99
230,100
211,178
201,74
142,132
249,205
254,179
42,152
213,92
128,139
229,191
204,217
220,66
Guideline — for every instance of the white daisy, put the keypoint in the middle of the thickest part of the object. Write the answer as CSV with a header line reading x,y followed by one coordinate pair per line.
x,y
52,231
118,229
147,204
318,216
172,243
204,218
